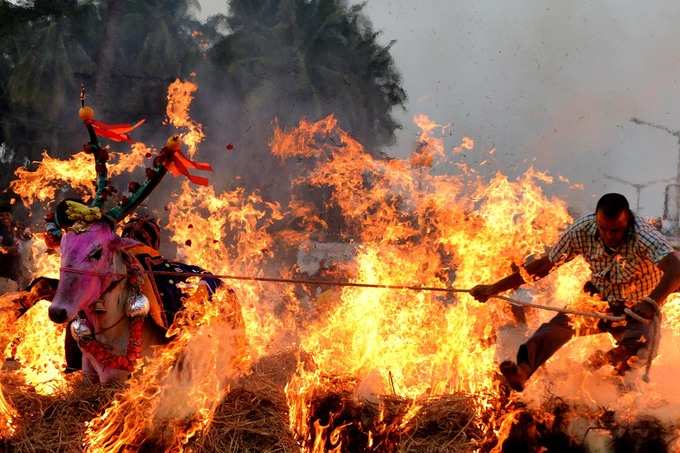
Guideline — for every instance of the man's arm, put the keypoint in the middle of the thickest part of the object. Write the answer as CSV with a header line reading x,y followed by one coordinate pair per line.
x,y
563,251
536,269
670,281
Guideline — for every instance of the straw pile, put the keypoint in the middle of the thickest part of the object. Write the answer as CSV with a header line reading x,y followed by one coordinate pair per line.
x,y
387,423
253,417
57,422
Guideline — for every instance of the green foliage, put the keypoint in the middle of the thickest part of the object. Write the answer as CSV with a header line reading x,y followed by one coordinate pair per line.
x,y
52,48
283,59
322,54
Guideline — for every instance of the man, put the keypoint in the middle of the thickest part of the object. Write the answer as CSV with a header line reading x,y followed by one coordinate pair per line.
x,y
631,264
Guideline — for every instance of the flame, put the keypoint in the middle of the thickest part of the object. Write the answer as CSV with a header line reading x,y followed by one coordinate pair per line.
x,y
8,315
415,228
7,416
301,141
78,173
180,96
38,345
467,144
182,384
127,162
429,147
211,222
401,223
43,262
51,174
175,393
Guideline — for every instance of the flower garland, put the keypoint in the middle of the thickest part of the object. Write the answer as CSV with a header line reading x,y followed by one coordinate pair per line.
x,y
103,354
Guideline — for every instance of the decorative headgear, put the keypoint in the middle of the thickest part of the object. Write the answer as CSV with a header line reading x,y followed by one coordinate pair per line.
x,y
75,214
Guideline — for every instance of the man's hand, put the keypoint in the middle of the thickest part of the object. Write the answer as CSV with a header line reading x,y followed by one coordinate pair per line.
x,y
481,293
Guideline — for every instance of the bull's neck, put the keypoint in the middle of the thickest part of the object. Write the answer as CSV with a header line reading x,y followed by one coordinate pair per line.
x,y
113,322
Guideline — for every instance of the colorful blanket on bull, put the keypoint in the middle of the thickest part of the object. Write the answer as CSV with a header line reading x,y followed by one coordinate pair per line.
x,y
169,288
164,293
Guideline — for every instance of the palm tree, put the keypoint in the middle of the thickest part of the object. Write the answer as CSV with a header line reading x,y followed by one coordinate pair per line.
x,y
293,59
41,56
146,45
125,51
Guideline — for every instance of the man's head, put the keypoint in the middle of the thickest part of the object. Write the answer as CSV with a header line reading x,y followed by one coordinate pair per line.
x,y
613,219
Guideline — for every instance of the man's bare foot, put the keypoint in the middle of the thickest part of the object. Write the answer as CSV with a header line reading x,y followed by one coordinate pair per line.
x,y
515,375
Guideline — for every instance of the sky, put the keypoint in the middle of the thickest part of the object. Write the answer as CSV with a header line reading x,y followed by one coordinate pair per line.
x,y
552,84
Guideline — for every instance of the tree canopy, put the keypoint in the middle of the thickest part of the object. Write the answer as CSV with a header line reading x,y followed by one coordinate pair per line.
x,y
265,60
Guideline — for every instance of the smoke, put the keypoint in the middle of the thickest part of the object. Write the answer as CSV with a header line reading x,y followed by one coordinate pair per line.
x,y
553,84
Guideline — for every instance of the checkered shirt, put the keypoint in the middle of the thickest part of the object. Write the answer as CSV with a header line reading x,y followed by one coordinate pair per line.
x,y
628,273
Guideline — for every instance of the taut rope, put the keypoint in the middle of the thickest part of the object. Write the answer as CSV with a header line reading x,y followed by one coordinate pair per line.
x,y
512,301
654,324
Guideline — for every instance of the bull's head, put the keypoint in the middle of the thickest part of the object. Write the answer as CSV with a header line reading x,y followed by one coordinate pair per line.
x,y
90,265
90,258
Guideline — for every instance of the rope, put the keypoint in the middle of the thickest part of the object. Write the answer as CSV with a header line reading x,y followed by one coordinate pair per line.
x,y
404,287
73,270
515,302
654,324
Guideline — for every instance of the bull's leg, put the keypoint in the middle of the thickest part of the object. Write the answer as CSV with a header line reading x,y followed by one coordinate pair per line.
x,y
74,356
89,371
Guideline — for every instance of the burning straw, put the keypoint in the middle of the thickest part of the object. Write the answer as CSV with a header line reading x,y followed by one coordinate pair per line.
x,y
250,417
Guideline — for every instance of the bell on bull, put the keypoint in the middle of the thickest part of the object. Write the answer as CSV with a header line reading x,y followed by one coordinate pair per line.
x,y
138,305
80,330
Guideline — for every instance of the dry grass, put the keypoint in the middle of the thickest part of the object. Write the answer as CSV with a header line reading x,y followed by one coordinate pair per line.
x,y
57,422
444,424
253,417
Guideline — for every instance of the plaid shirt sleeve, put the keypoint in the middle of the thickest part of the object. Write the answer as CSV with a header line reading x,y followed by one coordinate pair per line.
x,y
568,245
565,249
653,245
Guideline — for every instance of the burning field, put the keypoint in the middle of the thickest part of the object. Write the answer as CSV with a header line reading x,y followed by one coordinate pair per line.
x,y
271,366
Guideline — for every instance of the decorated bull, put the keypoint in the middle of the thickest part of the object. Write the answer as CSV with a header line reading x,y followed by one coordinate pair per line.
x,y
115,307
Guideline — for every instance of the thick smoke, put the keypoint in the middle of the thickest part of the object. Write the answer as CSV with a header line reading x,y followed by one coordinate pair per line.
x,y
553,84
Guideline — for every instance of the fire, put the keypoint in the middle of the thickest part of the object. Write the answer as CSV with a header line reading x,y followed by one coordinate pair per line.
x,y
78,173
383,354
8,315
42,184
127,162
228,234
208,345
180,95
38,345
7,415
415,229
300,141
43,262
173,396
467,144
429,147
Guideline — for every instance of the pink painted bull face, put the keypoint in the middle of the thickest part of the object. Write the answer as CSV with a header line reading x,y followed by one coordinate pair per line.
x,y
90,264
